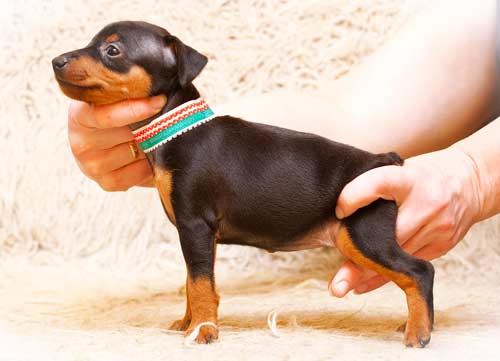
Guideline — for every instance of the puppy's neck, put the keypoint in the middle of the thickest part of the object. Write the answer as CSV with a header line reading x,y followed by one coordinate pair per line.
x,y
175,98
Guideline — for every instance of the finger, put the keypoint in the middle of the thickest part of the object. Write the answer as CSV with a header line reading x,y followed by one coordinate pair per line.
x,y
117,114
408,224
421,238
126,177
438,248
429,252
82,141
98,163
413,220
148,182
343,281
371,284
438,231
386,182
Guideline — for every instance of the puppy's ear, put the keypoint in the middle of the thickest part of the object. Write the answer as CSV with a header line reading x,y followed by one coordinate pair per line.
x,y
190,63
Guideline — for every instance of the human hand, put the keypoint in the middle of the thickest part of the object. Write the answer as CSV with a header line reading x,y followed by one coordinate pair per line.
x,y
99,139
438,201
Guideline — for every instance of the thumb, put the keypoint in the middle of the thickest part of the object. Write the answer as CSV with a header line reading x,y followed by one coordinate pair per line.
x,y
345,279
116,114
386,182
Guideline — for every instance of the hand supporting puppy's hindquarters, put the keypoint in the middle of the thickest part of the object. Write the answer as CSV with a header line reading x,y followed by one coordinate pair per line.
x,y
99,139
438,199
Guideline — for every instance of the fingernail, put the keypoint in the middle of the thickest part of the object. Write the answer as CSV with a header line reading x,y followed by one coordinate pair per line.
x,y
360,289
341,288
339,213
158,102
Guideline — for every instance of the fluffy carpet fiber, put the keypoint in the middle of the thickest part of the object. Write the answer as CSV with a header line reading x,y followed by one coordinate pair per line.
x,y
87,275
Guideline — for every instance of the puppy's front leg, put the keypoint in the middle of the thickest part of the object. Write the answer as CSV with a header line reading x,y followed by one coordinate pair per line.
x,y
183,324
198,246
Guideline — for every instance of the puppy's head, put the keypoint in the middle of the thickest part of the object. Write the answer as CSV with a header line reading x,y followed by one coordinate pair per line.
x,y
127,60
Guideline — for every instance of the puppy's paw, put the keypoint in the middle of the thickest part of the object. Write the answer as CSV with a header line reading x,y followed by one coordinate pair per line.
x,y
180,325
205,334
417,337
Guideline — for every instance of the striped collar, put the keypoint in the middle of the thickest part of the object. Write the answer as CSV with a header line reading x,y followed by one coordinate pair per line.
x,y
172,124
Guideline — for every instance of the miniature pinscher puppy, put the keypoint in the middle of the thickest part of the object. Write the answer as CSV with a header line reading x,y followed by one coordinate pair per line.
x,y
223,180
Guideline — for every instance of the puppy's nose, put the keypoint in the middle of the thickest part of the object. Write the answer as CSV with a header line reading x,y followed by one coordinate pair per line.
x,y
60,62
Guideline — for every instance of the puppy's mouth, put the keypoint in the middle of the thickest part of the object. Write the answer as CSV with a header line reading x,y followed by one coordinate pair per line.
x,y
90,81
69,84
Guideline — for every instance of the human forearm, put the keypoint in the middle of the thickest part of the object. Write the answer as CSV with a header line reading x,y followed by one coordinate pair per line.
x,y
432,84
483,149
429,86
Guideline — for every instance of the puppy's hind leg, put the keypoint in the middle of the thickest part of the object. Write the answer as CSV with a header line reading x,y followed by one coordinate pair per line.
x,y
368,238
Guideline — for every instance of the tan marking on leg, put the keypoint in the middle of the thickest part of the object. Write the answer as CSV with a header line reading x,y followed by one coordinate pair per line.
x,y
183,324
418,327
88,80
164,184
204,302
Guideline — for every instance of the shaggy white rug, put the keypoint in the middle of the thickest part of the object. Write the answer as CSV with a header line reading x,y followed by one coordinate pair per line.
x,y
87,275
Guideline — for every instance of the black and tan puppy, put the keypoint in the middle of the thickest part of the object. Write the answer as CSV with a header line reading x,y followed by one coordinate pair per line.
x,y
223,180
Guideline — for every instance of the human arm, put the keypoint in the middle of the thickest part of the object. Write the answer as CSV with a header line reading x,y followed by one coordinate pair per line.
x,y
483,148
431,84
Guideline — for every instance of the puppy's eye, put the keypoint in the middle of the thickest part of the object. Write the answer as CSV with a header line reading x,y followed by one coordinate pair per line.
x,y
112,51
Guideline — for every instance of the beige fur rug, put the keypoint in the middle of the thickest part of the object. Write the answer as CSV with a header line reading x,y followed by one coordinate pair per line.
x,y
87,275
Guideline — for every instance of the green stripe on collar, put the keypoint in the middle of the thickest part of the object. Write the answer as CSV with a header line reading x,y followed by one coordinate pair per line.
x,y
172,124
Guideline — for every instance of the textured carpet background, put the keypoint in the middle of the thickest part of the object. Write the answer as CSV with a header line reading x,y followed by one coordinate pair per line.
x,y
89,275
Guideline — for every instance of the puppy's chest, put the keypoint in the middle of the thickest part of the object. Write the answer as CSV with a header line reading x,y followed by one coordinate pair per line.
x,y
164,184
